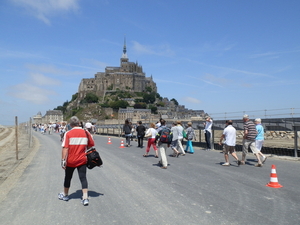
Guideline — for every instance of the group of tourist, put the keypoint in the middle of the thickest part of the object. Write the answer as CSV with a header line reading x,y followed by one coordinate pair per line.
x,y
253,138
177,133
77,139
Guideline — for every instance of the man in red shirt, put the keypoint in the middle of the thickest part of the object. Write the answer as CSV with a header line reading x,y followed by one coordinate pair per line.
x,y
74,145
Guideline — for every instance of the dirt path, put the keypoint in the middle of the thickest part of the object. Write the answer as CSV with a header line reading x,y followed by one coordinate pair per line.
x,y
11,168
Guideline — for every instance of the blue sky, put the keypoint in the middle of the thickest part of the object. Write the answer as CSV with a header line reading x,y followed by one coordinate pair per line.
x,y
216,55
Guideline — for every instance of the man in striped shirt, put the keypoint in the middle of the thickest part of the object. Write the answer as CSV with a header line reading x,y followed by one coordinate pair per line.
x,y
249,140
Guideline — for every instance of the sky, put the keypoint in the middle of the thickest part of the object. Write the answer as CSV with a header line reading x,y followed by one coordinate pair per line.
x,y
220,56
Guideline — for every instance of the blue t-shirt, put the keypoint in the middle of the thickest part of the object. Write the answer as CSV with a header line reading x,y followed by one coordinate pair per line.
x,y
260,132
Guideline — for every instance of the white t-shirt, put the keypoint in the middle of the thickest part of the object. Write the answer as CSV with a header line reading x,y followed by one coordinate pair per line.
x,y
208,125
88,125
152,131
230,135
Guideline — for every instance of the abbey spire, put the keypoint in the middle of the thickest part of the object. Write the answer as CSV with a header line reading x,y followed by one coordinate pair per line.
x,y
124,56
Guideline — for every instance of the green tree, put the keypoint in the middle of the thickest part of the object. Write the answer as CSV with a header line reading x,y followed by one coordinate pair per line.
x,y
74,97
148,89
91,98
174,100
140,105
118,104
149,98
153,109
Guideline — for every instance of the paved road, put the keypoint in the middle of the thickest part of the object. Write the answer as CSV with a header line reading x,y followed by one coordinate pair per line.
x,y
131,189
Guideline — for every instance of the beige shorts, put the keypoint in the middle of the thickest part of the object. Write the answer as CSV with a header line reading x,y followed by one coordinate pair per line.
x,y
229,149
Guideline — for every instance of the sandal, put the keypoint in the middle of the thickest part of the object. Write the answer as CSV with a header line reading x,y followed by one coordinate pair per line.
x,y
145,155
156,156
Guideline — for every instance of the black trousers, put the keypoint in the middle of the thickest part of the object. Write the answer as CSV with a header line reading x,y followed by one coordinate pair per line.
x,y
140,140
207,139
81,173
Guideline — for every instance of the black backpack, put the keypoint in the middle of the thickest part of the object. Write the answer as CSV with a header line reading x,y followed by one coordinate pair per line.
x,y
93,158
165,135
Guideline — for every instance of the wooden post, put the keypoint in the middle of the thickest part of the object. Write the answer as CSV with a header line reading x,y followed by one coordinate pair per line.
x,y
16,131
30,132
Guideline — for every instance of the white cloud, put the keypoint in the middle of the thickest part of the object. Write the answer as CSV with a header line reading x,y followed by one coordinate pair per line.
x,y
31,93
43,9
42,80
162,50
50,69
191,100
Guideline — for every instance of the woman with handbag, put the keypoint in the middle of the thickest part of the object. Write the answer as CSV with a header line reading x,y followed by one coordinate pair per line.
x,y
151,133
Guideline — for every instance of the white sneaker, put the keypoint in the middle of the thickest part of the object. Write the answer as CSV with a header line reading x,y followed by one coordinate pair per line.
x,y
85,202
226,164
63,197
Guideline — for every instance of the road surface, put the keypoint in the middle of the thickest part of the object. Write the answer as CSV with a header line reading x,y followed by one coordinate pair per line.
x,y
131,189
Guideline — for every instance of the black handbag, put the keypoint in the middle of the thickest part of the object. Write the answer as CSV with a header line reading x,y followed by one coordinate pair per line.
x,y
93,157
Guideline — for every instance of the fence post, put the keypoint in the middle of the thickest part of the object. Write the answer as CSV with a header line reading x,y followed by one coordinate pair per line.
x,y
16,131
30,131
212,140
296,140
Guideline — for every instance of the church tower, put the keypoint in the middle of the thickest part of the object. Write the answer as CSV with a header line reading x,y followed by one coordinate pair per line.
x,y
124,59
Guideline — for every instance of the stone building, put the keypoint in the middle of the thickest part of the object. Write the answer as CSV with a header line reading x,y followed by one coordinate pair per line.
x,y
129,76
51,116
134,115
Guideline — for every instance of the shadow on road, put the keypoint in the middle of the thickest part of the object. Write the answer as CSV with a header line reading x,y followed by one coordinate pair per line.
x,y
78,194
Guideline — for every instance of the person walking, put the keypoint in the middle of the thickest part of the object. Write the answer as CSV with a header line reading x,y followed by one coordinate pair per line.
x,y
208,125
74,146
259,139
174,143
180,137
88,125
190,133
140,132
249,140
162,146
151,133
229,134
127,132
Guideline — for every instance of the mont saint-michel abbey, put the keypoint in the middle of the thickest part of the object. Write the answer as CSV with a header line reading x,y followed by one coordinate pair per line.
x,y
129,76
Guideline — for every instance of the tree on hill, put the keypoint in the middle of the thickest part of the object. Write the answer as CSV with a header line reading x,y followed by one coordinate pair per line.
x,y
175,101
149,98
90,98
140,105
118,104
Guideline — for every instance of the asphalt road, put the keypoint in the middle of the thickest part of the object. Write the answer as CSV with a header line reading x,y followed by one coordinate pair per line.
x,y
131,189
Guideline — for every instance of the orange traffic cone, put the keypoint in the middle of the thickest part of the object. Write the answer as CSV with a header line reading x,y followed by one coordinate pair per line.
x,y
109,141
273,179
122,145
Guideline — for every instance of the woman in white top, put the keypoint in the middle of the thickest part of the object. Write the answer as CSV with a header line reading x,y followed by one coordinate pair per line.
x,y
151,133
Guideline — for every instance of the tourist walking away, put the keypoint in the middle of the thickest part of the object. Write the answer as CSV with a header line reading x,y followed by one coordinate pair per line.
x,y
174,143
74,146
190,133
151,134
62,130
127,132
140,132
229,134
260,137
249,140
88,125
163,130
207,132
180,137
